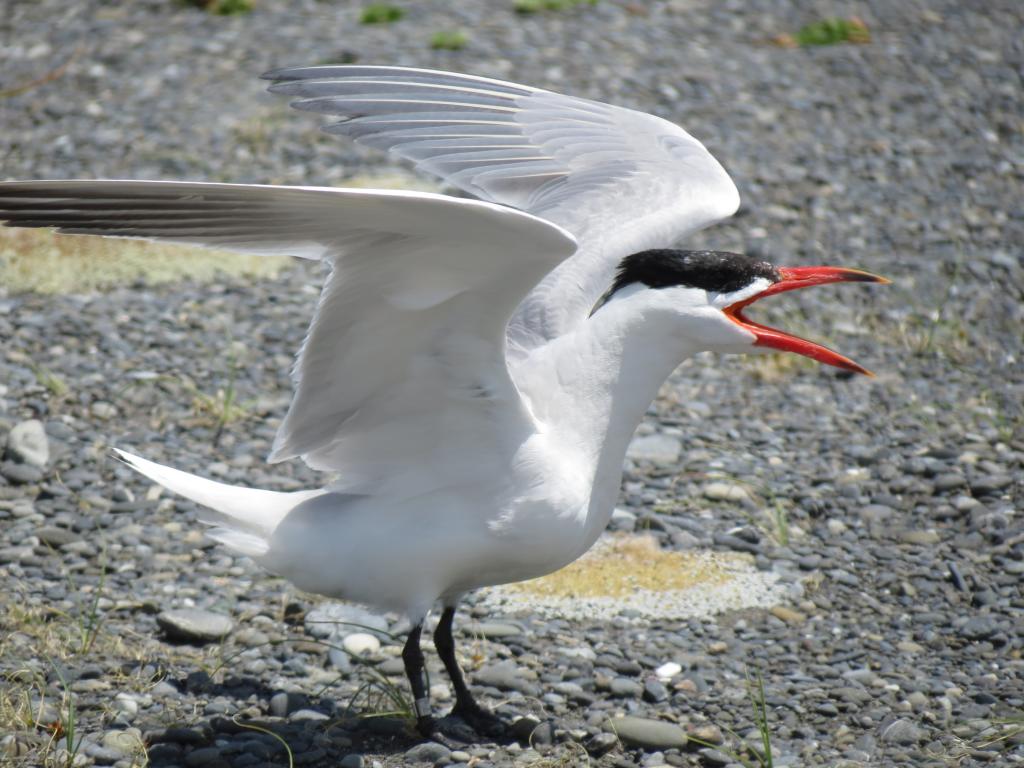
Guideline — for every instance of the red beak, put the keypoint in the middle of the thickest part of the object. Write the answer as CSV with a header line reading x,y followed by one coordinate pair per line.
x,y
802,277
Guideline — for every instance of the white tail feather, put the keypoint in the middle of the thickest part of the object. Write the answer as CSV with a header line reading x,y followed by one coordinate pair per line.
x,y
244,517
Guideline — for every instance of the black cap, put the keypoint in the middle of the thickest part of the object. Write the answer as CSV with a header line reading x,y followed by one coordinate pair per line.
x,y
716,271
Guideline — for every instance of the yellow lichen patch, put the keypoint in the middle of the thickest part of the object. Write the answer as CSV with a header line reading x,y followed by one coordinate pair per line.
x,y
41,261
631,577
622,565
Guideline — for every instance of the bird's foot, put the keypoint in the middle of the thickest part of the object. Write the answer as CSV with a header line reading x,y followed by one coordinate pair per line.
x,y
428,728
481,720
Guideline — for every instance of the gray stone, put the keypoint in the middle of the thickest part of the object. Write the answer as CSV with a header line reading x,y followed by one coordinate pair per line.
x,y
392,666
428,752
506,676
194,625
282,703
53,536
307,714
725,492
624,687
27,444
251,637
655,691
15,554
656,448
527,729
102,755
341,659
707,734
979,628
204,756
89,685
601,744
919,537
186,736
851,693
901,732
125,742
352,761
645,733
877,513
492,630
947,482
623,519
62,757
103,410
714,758
982,486
21,474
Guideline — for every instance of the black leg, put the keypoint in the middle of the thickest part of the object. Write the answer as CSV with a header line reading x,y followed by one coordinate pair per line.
x,y
465,705
412,655
445,645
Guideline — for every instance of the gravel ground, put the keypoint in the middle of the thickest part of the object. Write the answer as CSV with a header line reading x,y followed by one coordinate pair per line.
x,y
903,542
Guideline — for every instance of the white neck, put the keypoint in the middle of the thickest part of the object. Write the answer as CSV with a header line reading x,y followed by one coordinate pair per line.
x,y
591,387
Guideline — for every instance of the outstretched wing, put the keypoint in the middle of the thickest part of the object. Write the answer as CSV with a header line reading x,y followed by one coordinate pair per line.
x,y
407,344
621,181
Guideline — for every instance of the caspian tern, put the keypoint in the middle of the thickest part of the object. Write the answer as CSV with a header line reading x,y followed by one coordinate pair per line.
x,y
475,368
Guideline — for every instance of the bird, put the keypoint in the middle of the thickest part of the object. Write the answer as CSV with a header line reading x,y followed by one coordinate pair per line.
x,y
476,366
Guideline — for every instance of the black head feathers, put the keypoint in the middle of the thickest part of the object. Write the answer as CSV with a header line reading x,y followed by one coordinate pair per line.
x,y
717,271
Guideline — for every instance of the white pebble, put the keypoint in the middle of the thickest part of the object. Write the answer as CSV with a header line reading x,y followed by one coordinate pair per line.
x,y
103,410
126,704
361,644
668,670
440,692
659,449
578,652
725,492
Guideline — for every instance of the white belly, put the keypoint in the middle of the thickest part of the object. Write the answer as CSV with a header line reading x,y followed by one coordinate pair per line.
x,y
405,555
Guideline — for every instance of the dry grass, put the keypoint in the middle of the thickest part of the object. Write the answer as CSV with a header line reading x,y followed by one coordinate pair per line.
x,y
36,260
37,642
625,564
778,366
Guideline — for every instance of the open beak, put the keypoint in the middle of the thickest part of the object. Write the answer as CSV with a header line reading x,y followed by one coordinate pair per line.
x,y
801,277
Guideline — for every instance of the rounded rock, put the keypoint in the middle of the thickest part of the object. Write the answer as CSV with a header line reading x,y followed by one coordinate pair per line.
x,y
194,625
428,752
725,492
27,443
360,644
647,734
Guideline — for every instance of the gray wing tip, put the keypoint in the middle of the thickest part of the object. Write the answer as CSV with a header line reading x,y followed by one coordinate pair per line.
x,y
128,459
285,74
281,73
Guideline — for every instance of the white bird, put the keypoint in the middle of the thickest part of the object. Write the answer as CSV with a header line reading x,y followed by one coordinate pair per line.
x,y
475,369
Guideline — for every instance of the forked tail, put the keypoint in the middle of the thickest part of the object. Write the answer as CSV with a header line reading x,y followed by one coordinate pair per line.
x,y
242,518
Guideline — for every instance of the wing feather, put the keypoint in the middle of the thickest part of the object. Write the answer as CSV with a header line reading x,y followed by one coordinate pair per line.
x,y
408,338
619,180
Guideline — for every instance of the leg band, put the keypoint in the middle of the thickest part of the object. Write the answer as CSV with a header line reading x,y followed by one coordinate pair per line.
x,y
421,707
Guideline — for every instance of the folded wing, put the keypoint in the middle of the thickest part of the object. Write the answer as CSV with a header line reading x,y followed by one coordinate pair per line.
x,y
407,344
619,180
